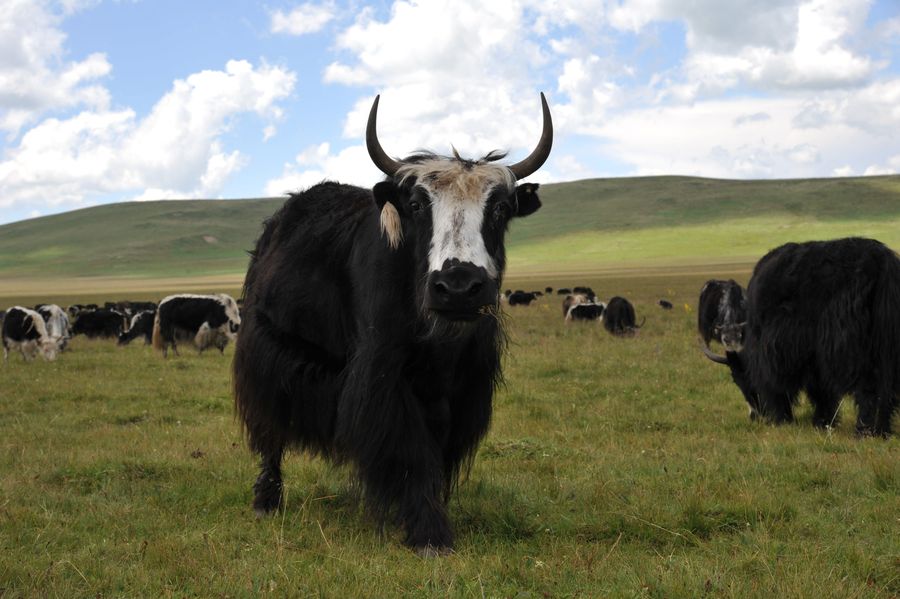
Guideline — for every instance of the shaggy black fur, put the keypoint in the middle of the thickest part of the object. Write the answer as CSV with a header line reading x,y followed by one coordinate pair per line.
x,y
101,323
619,318
338,356
823,318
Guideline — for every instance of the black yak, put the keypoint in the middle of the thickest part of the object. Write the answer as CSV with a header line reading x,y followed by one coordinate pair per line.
x,y
521,298
389,360
619,318
822,317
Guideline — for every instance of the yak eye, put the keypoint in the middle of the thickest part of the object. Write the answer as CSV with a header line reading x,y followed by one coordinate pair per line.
x,y
415,206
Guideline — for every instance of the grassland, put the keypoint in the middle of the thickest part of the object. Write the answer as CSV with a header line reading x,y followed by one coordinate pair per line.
x,y
593,225
614,468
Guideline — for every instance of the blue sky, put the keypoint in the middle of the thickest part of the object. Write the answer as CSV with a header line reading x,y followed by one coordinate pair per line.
x,y
104,101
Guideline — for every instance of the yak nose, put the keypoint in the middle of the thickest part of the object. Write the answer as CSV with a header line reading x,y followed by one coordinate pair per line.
x,y
461,287
457,281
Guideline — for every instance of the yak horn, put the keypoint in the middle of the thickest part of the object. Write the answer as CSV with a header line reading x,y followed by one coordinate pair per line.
x,y
534,160
714,357
385,163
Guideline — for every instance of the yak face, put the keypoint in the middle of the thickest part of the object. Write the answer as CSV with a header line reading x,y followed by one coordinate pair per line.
x,y
732,319
452,215
49,348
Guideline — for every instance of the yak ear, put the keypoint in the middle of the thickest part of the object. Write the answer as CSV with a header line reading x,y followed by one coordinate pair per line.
x,y
527,199
385,194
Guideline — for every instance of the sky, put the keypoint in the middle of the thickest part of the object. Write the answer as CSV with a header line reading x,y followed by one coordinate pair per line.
x,y
129,100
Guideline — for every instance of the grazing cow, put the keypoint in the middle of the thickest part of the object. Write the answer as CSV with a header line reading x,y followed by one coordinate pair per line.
x,y
521,298
390,364
665,304
548,290
572,300
822,317
141,326
563,291
57,323
619,318
204,320
25,330
100,323
585,311
722,313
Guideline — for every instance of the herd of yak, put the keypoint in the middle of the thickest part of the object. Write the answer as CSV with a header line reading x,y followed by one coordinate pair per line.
x,y
369,329
203,321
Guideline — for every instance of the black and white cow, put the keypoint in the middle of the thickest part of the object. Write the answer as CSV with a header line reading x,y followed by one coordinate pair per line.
x,y
586,311
822,317
619,317
391,361
573,299
141,325
203,320
722,313
57,322
24,329
664,304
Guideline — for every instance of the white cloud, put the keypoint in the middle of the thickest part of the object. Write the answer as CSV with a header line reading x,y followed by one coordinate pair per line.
x,y
891,168
700,139
35,76
461,73
303,19
315,164
843,171
174,151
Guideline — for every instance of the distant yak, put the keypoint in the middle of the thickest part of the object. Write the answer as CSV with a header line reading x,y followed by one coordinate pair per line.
x,y
619,317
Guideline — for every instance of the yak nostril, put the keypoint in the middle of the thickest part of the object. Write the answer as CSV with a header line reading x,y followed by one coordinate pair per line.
x,y
442,288
474,288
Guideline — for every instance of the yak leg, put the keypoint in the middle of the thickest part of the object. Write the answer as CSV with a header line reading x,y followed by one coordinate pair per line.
x,y
776,406
825,406
267,490
873,413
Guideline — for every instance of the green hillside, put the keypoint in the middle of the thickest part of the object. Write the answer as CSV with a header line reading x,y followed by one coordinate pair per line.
x,y
583,225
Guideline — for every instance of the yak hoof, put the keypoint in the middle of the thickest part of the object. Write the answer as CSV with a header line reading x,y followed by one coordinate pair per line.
x,y
430,551
261,513
266,504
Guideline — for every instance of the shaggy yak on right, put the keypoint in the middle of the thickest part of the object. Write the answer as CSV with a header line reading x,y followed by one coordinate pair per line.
x,y
824,317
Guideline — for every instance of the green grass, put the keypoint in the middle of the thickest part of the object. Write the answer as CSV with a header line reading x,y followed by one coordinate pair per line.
x,y
614,467
585,225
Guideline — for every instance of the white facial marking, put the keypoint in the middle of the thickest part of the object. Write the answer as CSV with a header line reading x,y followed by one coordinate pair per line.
x,y
459,192
456,233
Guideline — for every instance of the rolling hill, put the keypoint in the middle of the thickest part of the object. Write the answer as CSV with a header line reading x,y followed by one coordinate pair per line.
x,y
584,226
